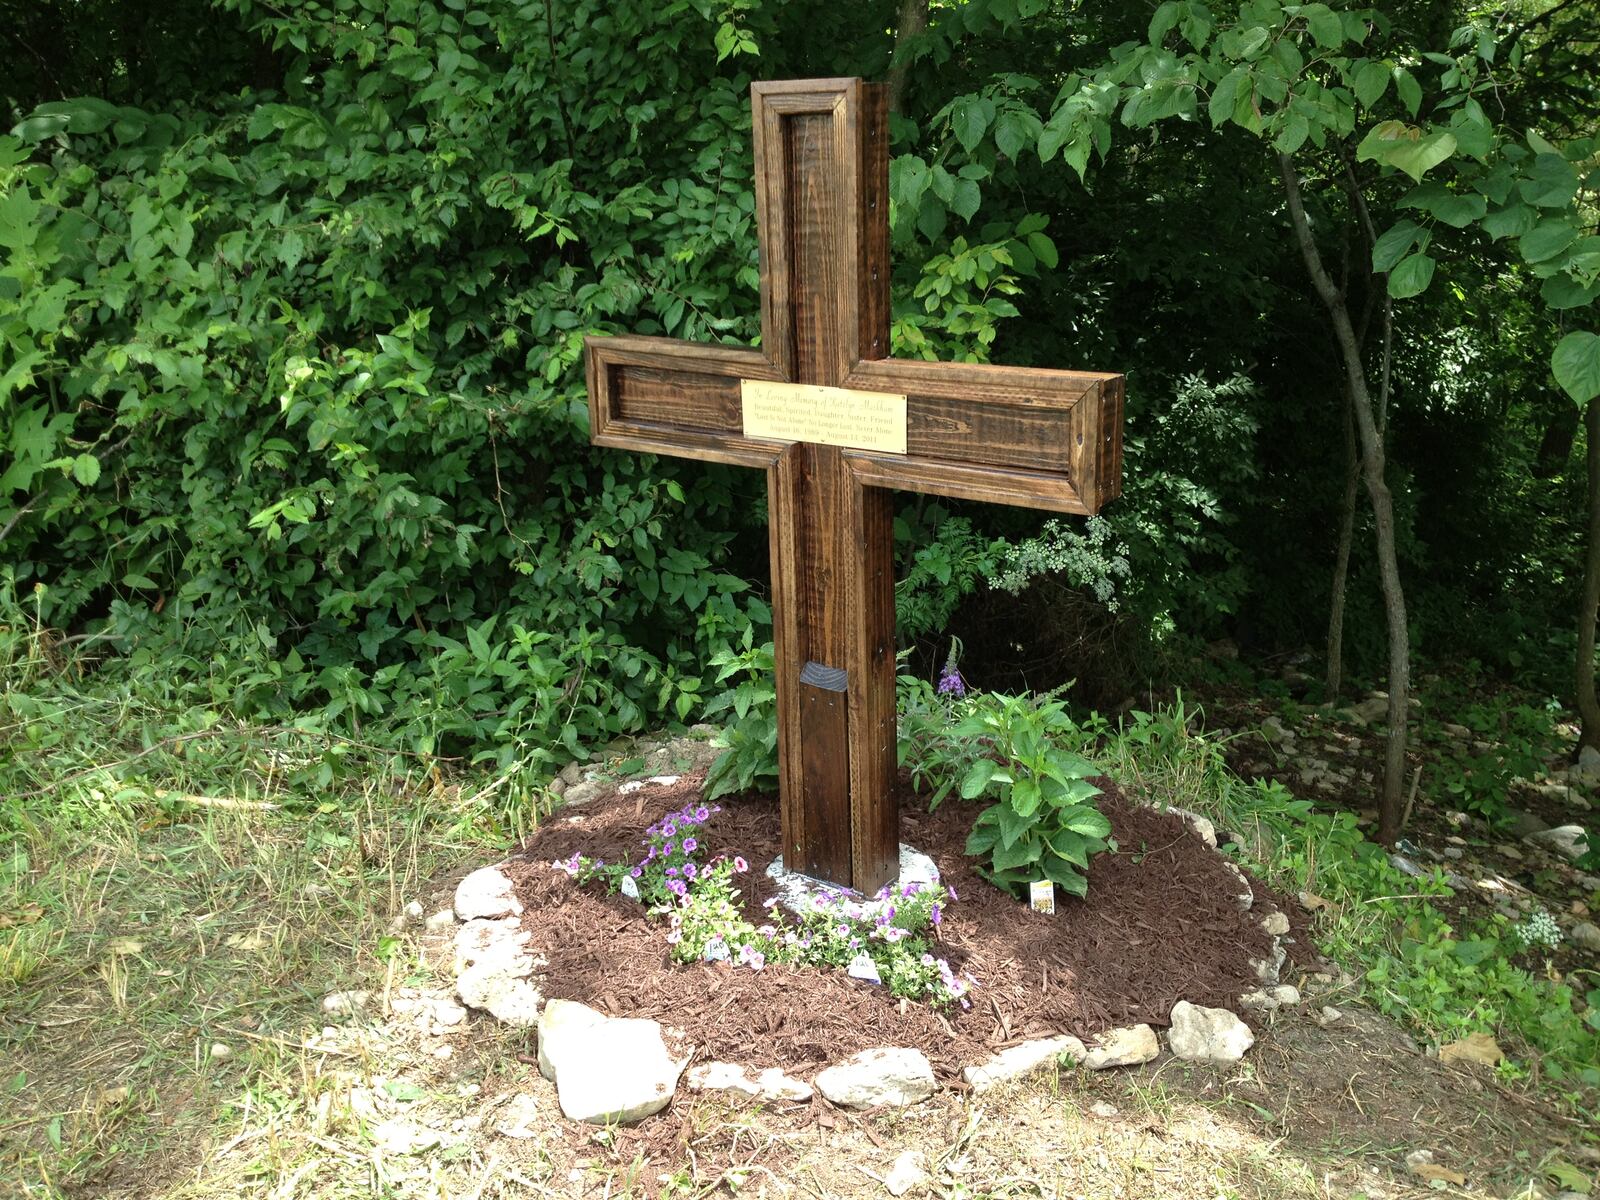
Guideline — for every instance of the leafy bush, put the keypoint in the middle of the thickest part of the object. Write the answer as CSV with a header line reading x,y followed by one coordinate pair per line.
x,y
1011,750
749,758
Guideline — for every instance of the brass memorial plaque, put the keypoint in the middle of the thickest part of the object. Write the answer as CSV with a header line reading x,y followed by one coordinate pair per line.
x,y
809,412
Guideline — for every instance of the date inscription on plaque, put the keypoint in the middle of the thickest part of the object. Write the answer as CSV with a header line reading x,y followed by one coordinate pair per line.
x,y
809,412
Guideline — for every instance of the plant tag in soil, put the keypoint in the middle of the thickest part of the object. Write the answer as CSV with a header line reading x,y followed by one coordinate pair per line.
x,y
1042,896
629,888
862,967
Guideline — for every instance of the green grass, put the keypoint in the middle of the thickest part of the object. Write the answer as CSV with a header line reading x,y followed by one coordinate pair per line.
x,y
177,892
1388,928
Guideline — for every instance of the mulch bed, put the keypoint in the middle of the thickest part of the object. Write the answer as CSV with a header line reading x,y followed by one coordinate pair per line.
x,y
1160,925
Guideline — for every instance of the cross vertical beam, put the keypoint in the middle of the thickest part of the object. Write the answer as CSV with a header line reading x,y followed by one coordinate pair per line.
x,y
822,182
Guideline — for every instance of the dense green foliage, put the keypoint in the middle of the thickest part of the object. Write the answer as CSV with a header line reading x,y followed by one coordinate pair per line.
x,y
291,314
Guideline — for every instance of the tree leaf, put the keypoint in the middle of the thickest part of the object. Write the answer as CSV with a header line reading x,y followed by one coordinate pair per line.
x,y
1417,158
1393,245
1408,89
1551,183
1044,250
1015,130
1576,365
1411,276
909,178
1547,239
969,119
1326,27
86,469
965,199
1371,81
1562,291
1510,221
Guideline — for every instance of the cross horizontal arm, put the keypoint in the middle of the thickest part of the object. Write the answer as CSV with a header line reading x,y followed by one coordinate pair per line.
x,y
1005,435
677,398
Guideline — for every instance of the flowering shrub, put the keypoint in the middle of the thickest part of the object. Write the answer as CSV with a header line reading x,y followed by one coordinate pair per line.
x,y
1540,929
669,866
894,930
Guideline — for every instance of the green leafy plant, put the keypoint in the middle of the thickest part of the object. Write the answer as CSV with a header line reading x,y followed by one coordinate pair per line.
x,y
749,758
1041,824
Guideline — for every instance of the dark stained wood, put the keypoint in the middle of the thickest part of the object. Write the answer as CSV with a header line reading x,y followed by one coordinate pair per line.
x,y
1039,438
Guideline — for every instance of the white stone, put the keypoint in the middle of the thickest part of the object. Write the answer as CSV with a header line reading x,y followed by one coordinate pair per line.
x,y
1275,731
1375,708
403,1137
909,1170
635,785
893,1076
510,999
494,969
1275,923
1585,936
1569,841
220,1051
771,1084
412,911
606,1069
1201,825
1285,993
796,891
341,1004
1260,999
1245,897
587,792
486,894
1269,969
1017,1061
1328,1014
448,1013
1123,1048
1208,1035
1589,757
501,942
519,1117
444,919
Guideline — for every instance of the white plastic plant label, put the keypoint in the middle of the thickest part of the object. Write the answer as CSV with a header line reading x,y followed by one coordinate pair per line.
x,y
862,967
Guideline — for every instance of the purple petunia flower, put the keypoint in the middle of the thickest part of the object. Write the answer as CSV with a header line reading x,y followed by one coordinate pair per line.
x,y
936,913
690,845
636,872
677,887
700,814
740,865
669,829
690,870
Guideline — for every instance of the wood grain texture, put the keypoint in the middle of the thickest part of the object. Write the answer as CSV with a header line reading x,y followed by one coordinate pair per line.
x,y
1041,438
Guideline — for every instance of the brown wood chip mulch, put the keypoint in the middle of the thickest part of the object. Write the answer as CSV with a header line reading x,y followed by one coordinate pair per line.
x,y
1160,925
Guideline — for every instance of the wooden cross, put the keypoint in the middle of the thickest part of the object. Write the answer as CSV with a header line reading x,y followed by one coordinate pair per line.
x,y
1037,438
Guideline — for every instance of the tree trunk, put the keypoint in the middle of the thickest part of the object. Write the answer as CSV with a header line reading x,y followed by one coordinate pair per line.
x,y
913,19
1555,447
1373,472
1588,707
1341,558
